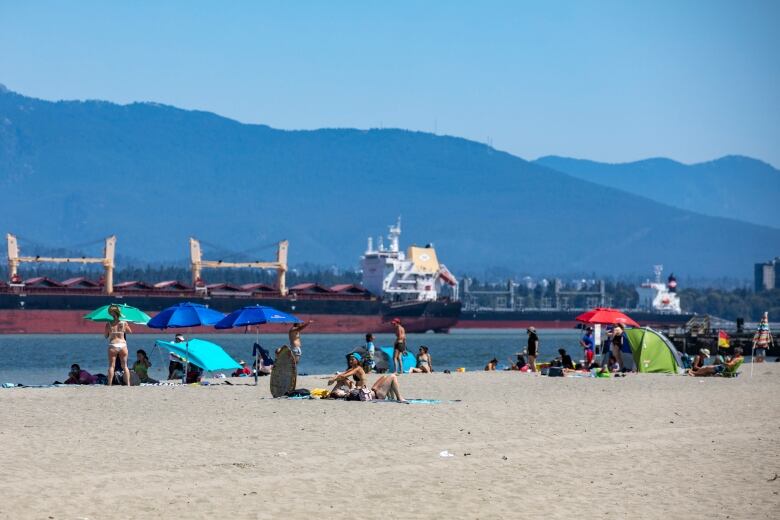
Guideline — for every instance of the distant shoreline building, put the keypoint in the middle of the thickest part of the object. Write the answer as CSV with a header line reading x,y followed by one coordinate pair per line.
x,y
767,275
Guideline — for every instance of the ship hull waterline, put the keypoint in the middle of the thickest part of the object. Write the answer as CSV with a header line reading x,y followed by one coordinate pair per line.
x,y
39,314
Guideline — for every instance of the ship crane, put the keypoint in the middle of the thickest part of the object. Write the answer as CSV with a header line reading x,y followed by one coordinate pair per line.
x,y
107,261
198,264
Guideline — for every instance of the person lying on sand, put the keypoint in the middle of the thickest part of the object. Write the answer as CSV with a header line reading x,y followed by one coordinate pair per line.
x,y
79,377
386,387
343,385
718,369
492,364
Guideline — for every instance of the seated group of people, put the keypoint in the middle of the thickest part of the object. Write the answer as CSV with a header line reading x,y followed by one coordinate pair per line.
x,y
720,367
139,373
564,360
352,384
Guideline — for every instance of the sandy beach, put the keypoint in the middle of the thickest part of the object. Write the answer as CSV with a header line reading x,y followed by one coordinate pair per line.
x,y
643,446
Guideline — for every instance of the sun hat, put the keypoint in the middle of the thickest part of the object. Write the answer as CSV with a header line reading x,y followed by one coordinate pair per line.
x,y
705,352
242,362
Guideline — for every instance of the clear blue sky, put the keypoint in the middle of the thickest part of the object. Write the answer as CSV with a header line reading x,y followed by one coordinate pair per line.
x,y
610,81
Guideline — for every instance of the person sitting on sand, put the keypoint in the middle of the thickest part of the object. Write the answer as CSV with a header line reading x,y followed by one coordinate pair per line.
x,y
194,374
424,362
175,367
79,377
492,364
720,368
141,367
612,364
700,359
264,363
343,385
520,364
243,371
566,361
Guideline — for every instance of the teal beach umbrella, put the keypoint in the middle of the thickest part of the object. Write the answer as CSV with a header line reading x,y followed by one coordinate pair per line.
x,y
127,313
205,354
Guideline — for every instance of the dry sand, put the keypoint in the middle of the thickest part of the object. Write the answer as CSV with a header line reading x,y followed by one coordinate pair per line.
x,y
645,446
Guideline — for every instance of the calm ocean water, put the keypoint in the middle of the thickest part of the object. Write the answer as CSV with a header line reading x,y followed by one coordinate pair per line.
x,y
42,359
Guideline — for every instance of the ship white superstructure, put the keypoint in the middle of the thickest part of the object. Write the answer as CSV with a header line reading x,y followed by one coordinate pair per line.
x,y
415,275
658,296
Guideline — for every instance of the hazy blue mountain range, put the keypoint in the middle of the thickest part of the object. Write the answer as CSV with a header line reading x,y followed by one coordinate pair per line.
x,y
75,171
732,187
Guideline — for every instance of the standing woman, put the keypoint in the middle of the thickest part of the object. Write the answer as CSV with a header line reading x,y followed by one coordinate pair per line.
x,y
618,338
117,345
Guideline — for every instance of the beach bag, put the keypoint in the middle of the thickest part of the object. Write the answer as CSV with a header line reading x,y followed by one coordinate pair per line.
x,y
299,392
364,394
555,372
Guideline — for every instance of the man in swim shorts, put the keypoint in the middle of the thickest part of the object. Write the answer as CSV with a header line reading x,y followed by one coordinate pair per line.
x,y
295,338
399,347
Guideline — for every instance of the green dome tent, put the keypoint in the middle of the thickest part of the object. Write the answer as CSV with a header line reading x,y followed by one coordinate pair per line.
x,y
653,352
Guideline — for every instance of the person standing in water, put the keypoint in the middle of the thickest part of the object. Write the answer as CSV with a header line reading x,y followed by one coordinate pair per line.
x,y
399,347
295,338
117,345
533,347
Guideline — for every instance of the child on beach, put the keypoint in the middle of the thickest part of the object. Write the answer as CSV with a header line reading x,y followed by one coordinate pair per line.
x,y
141,367
369,362
587,344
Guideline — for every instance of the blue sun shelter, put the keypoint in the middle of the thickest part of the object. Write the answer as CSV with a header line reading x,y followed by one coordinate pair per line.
x,y
383,357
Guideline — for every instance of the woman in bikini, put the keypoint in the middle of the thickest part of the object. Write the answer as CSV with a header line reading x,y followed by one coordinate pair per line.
x,y
386,387
117,344
343,383
424,362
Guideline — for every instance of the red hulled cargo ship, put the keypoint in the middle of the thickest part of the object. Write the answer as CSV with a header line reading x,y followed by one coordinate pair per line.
x,y
401,285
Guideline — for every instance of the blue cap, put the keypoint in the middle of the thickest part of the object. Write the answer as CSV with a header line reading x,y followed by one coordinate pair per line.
x,y
355,355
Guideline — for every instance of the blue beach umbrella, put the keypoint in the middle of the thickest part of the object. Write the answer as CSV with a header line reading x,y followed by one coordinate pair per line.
x,y
205,354
185,315
255,315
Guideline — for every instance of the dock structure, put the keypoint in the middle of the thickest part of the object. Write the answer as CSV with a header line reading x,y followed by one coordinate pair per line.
x,y
703,332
